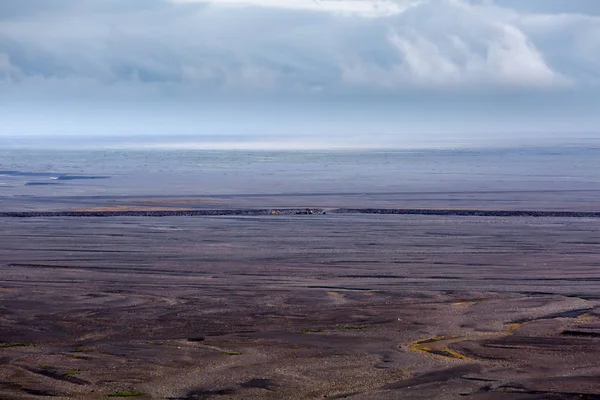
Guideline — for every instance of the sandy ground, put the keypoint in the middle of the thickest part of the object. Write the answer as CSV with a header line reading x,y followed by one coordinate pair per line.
x,y
300,307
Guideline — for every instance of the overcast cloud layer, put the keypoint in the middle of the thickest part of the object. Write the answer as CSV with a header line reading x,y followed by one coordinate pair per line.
x,y
466,61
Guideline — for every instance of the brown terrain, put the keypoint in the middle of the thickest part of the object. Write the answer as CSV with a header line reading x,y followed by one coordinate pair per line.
x,y
299,307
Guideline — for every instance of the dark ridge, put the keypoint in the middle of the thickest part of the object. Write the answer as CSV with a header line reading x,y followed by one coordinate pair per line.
x,y
483,389
547,394
58,376
205,394
342,396
258,383
563,314
471,213
435,377
300,211
41,393
581,334
163,213
476,379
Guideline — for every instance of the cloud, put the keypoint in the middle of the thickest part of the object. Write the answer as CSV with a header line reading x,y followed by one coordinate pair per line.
x,y
571,43
582,7
371,8
202,48
465,47
7,70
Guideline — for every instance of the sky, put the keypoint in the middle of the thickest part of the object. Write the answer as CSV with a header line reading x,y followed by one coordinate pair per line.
x,y
325,72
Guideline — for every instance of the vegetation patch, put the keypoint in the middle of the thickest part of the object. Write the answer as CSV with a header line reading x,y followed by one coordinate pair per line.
x,y
10,345
433,340
309,330
354,327
231,353
432,346
512,328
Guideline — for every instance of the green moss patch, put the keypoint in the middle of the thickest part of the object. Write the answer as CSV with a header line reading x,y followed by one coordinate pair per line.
x,y
11,345
353,327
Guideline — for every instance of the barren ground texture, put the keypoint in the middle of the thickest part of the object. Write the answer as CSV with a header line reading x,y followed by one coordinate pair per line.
x,y
307,306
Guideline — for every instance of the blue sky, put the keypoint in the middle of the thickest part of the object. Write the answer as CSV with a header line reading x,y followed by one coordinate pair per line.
x,y
342,72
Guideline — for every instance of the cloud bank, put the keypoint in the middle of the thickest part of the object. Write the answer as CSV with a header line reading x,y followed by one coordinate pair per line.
x,y
468,61
176,47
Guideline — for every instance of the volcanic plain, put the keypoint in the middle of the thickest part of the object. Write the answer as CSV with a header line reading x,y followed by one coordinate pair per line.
x,y
300,306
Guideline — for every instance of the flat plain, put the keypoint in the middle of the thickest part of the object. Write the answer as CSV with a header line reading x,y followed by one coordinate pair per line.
x,y
300,307
158,297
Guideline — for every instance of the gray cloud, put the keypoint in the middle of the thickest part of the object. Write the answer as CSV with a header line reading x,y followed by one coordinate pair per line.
x,y
162,47
436,66
587,7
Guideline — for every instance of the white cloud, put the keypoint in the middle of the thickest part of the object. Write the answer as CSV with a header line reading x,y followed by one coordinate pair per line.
x,y
367,8
202,47
8,72
467,47
571,42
